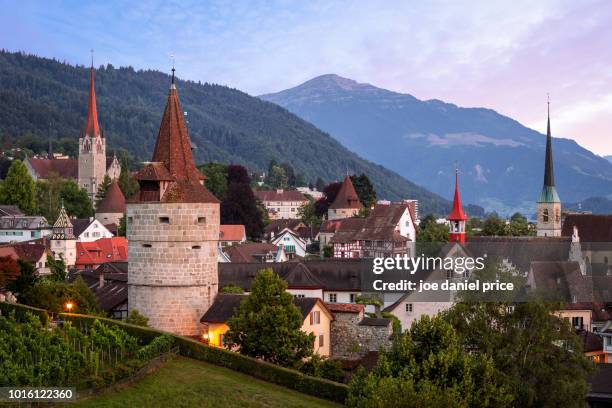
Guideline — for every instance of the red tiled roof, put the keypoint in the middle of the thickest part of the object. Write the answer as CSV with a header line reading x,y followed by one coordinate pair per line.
x,y
65,168
30,251
345,307
347,196
90,254
113,201
232,233
247,252
280,195
457,213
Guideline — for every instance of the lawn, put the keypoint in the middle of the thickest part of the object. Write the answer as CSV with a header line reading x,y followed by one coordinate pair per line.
x,y
183,382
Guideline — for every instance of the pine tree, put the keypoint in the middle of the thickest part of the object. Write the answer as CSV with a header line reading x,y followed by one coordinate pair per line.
x,y
19,188
101,193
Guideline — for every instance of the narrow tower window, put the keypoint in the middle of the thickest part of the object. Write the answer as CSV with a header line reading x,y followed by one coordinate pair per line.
x,y
201,220
164,220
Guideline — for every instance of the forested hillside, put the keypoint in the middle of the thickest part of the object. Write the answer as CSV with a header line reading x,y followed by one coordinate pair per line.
x,y
225,124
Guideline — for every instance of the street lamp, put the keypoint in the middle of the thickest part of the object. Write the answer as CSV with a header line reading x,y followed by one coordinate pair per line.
x,y
69,306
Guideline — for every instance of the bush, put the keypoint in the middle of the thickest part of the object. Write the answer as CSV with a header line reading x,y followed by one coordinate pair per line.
x,y
158,346
21,311
138,319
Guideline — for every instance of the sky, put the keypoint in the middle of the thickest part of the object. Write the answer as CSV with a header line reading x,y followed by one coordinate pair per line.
x,y
504,55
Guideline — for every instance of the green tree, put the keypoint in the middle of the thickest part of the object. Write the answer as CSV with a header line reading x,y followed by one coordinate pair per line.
x,y
122,228
494,226
102,189
48,197
57,268
428,366
277,178
308,214
216,178
52,295
19,188
519,226
75,199
231,288
126,182
138,319
365,190
267,324
431,231
27,279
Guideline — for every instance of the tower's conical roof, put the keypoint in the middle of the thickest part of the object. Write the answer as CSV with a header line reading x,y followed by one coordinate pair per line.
x,y
113,201
92,129
347,196
63,228
457,213
549,192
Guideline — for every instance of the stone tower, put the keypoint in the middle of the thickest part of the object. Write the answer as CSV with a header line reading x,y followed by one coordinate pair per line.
x,y
63,241
549,204
92,147
173,231
457,217
347,202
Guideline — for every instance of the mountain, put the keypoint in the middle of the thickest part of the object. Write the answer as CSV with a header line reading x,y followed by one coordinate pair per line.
x,y
501,161
608,158
225,124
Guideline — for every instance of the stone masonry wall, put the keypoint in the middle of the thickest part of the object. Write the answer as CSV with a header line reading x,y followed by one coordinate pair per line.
x,y
172,276
351,340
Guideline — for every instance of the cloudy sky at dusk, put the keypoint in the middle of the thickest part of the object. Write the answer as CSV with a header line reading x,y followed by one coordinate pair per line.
x,y
501,55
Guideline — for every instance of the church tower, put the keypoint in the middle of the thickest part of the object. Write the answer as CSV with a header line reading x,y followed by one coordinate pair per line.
x,y
347,202
63,241
457,217
92,147
172,232
549,204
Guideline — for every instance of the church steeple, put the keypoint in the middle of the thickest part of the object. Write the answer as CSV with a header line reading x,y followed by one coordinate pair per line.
x,y
457,217
92,128
549,204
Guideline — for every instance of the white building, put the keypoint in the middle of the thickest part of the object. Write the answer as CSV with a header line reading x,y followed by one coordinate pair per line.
x,y
17,227
291,242
282,204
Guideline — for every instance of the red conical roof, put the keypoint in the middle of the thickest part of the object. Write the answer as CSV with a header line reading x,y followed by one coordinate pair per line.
x,y
113,201
93,128
347,196
457,214
173,147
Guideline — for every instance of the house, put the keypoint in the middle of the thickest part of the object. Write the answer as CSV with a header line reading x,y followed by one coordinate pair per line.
x,y
15,226
306,233
291,242
91,254
109,283
231,235
317,320
386,232
346,204
256,252
34,252
89,229
282,204
112,207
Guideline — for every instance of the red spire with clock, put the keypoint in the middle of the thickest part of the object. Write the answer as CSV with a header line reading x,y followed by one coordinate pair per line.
x,y
457,217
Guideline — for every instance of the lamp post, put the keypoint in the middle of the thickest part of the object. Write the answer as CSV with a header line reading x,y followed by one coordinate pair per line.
x,y
69,306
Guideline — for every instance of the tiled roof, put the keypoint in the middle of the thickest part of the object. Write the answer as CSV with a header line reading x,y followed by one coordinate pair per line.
x,y
114,292
373,321
347,196
30,251
11,210
92,128
300,277
101,251
347,230
345,307
65,168
231,232
277,226
280,195
338,275
247,252
23,222
113,201
382,222
591,228
590,341
80,225
457,213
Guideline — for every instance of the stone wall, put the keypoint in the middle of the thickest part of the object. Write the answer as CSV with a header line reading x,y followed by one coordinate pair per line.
x,y
351,340
172,254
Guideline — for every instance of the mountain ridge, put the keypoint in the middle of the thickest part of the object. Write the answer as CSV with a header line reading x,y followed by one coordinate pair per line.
x,y
501,160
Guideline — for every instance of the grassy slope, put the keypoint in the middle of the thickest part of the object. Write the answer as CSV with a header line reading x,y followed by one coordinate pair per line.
x,y
185,383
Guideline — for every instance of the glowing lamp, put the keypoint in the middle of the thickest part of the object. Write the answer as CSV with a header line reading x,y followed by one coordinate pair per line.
x,y
69,306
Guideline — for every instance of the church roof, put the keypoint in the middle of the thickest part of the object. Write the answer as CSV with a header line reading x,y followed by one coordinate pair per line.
x,y
173,161
591,228
457,213
92,128
62,229
113,201
347,196
65,168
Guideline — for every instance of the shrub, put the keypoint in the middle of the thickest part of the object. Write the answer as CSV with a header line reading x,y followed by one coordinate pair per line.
x,y
158,346
138,319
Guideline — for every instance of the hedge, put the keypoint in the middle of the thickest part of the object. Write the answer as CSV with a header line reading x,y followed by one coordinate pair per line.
x,y
21,310
286,377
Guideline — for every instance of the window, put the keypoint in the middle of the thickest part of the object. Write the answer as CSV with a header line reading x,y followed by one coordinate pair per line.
x,y
299,296
333,297
577,322
321,340
353,297
545,215
196,247
201,220
315,317
409,308
146,245
130,220
164,220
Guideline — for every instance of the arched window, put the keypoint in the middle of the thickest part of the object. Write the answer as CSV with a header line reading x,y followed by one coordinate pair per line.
x,y
545,215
